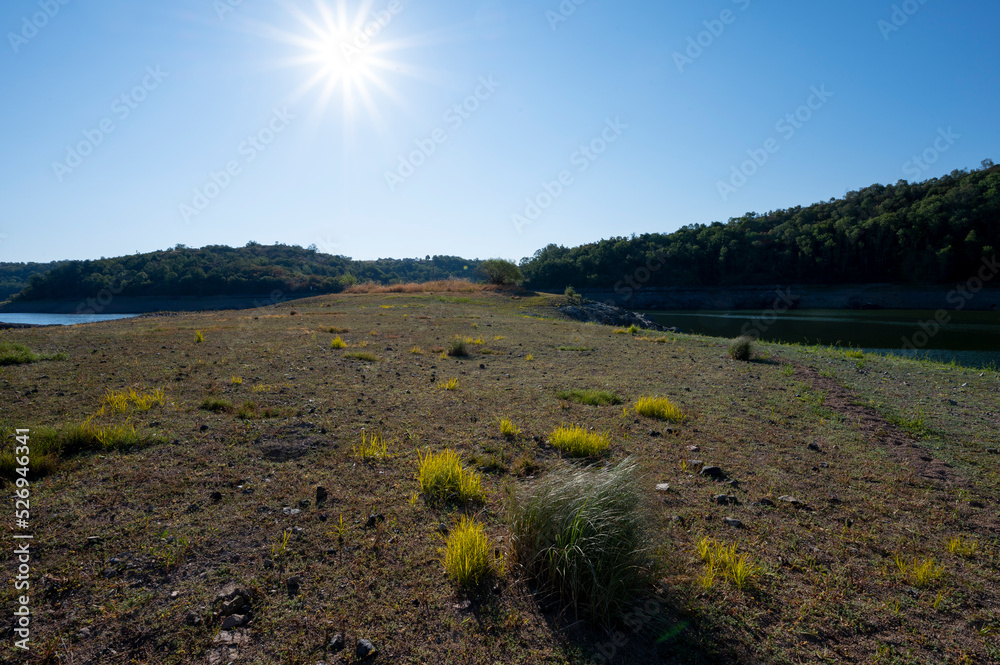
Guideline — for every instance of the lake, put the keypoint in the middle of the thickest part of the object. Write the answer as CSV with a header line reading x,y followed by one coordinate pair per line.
x,y
59,319
970,338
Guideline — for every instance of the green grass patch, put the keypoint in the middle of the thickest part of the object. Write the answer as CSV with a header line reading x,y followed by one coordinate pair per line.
x,y
363,356
591,397
216,406
12,353
583,535
575,441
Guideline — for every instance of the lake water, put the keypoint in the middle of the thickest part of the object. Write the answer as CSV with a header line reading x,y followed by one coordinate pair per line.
x,y
970,338
59,319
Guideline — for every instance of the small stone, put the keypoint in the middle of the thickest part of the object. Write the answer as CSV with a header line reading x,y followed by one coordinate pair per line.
x,y
83,634
365,649
297,530
735,484
336,644
304,503
694,449
192,619
813,446
321,495
234,621
290,511
766,502
725,500
654,433
993,451
733,522
216,496
663,487
174,594
293,584
694,462
713,472
462,606
193,508
374,519
204,428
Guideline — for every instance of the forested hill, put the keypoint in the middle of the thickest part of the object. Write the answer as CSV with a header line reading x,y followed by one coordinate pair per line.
x,y
14,276
218,270
933,232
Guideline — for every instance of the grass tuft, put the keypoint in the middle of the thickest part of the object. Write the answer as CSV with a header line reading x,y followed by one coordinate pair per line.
x,y
660,408
198,337
591,397
443,478
575,441
508,429
216,406
362,356
126,401
338,343
962,548
582,535
457,348
723,560
371,448
742,348
16,354
921,572
469,556
450,384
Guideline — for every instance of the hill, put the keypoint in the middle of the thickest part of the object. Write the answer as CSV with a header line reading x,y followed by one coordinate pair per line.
x,y
933,232
218,270
15,276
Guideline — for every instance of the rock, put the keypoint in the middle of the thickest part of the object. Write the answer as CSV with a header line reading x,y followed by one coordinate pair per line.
x,y
725,500
192,619
694,449
766,502
678,519
234,621
193,508
993,451
365,649
374,519
321,495
83,634
609,315
304,503
733,522
792,500
204,428
297,530
713,472
336,644
813,446
735,484
290,511
174,594
293,584
694,462
233,606
663,487
216,497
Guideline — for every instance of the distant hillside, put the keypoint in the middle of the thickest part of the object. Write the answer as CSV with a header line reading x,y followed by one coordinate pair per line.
x,y
933,232
219,270
15,276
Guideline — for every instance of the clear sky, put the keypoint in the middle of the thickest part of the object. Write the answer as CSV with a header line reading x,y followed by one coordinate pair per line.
x,y
474,128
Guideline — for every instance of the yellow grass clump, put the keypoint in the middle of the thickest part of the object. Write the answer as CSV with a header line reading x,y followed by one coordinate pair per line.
x,y
722,560
442,478
578,442
372,447
660,408
469,556
508,429
124,401
338,343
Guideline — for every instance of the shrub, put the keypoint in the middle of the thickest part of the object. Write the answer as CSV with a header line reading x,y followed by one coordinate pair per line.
x,y
741,348
582,535
571,293
592,397
443,478
500,272
338,343
660,408
575,441
198,337
469,555
457,348
508,429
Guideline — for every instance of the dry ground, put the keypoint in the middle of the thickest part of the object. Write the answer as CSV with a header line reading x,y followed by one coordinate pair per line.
x,y
129,544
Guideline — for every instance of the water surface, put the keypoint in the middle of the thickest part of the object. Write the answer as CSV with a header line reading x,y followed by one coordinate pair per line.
x,y
59,319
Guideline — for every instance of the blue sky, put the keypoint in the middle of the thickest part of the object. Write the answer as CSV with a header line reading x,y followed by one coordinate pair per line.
x,y
470,128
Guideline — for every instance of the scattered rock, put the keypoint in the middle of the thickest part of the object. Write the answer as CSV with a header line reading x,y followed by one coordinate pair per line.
x,y
694,449
609,315
733,522
813,446
234,621
304,503
653,433
694,462
336,644
725,500
735,484
83,634
993,451
290,511
204,428
193,619
713,472
321,495
193,508
374,519
293,584
792,500
663,487
216,497
365,649
766,502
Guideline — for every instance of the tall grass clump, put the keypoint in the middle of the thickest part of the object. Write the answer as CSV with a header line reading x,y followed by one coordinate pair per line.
x,y
338,343
443,478
660,408
371,448
457,348
575,441
198,337
363,356
591,397
722,560
12,353
508,429
125,401
469,556
582,535
742,348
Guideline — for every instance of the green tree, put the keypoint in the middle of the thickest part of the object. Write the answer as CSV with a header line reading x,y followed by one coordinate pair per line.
x,y
501,272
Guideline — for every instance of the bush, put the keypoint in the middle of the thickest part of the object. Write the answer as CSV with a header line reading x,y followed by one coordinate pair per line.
x,y
457,348
469,555
501,272
660,408
582,535
338,343
742,348
443,478
592,397
578,442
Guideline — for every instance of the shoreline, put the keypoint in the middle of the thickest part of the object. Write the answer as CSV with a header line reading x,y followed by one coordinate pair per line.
x,y
151,304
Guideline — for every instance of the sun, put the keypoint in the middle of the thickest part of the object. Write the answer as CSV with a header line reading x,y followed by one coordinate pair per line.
x,y
349,56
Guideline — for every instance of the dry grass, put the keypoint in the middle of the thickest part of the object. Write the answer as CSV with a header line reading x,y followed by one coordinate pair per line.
x,y
576,441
